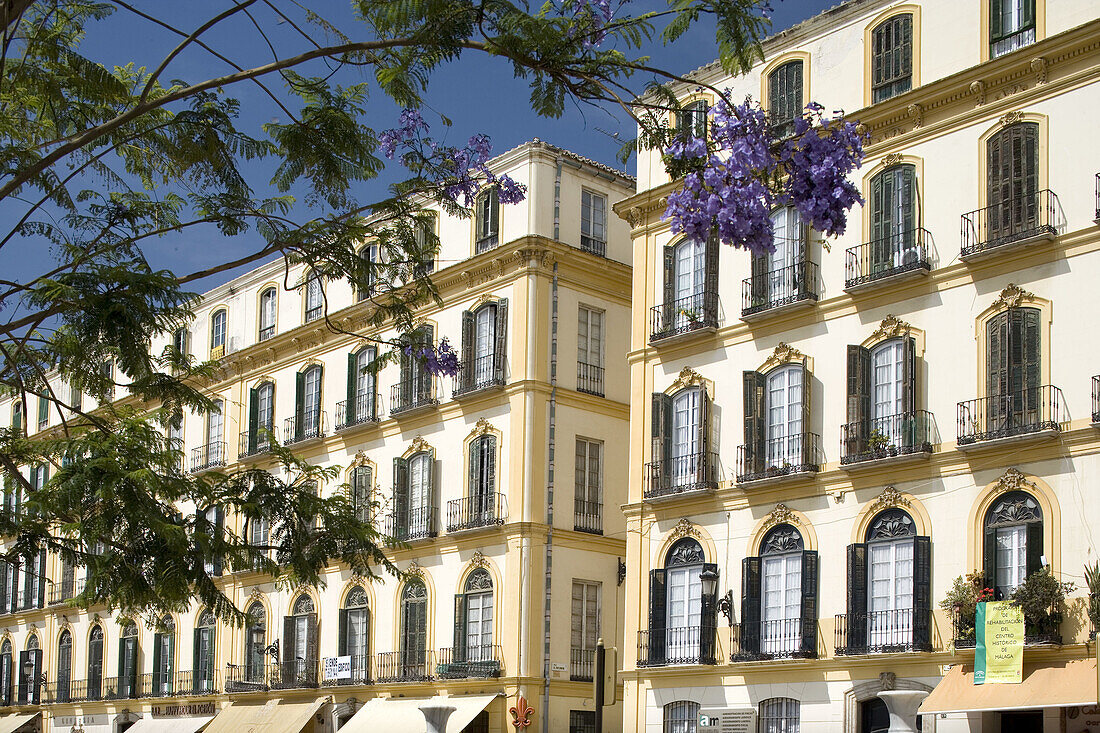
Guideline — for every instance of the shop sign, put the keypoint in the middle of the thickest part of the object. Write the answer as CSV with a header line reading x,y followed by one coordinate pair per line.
x,y
337,668
999,656
79,721
729,720
183,710
1083,719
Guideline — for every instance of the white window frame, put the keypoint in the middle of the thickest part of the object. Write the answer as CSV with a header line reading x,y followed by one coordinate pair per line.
x,y
593,217
590,335
785,393
585,622
780,574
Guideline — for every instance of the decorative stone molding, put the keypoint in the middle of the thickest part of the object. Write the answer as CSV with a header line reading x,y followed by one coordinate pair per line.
x,y
1039,66
688,378
360,460
1011,118
684,528
415,570
891,327
482,300
784,353
780,515
891,159
917,113
1013,480
890,497
481,427
1012,296
417,445
255,595
977,88
888,680
478,560
633,217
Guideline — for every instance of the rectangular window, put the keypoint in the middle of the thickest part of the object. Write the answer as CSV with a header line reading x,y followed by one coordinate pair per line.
x,y
488,221
268,305
179,341
692,119
314,299
582,721
1011,25
43,413
590,336
892,58
588,494
593,222
585,623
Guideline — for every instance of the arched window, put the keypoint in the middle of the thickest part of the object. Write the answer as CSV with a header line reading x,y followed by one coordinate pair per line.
x,y
128,661
1015,399
269,303
360,486
64,665
354,640
785,98
786,416
1013,542
1012,184
414,630
487,221
481,510
681,716
261,418
6,672
255,642
779,715
892,57
414,502
30,688
362,399
315,299
95,663
218,325
371,254
164,657
307,415
474,619
894,220
205,651
681,437
299,647
779,597
681,620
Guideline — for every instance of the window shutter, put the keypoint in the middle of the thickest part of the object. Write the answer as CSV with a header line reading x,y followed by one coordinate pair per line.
x,y
430,493
5,569
750,605
14,587
36,694
494,211
491,468
859,399
922,593
710,282
287,662
23,691
5,679
219,528
996,20
881,220
808,457
475,486
42,578
311,643
879,51
909,376
131,667
1027,14
423,376
907,199
759,282
1031,365
657,598
670,285
158,671
996,363
857,594
253,418
661,428
755,428
459,650
342,639
989,562
400,496
708,615
500,348
468,337
299,404
809,602
1034,547
199,659
702,462
351,407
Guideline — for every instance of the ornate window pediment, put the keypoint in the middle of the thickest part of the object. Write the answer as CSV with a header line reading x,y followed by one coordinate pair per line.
x,y
685,552
891,524
780,539
1016,507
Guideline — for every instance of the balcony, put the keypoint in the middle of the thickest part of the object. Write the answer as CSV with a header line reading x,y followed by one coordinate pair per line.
x,y
258,442
787,288
304,427
471,662
590,379
288,675
898,256
1032,413
582,664
217,352
360,672
173,684
891,439
1096,400
479,374
416,524
588,516
363,410
206,457
473,512
406,398
685,645
698,312
963,634
884,632
407,666
1016,222
65,590
597,247
764,640
267,332
694,472
777,459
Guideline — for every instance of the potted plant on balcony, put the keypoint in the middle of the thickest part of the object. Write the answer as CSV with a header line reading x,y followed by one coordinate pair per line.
x,y
879,445
691,315
1043,600
1092,580
962,603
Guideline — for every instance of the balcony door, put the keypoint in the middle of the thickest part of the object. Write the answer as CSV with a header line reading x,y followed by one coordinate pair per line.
x,y
95,663
364,381
355,633
164,663
893,218
483,460
1012,181
685,436
311,403
784,410
1013,363
485,322
420,494
784,270
684,613
888,390
255,643
414,630
203,662
781,592
478,601
890,580
689,283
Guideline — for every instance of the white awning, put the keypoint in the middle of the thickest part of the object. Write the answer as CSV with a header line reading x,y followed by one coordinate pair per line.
x,y
270,716
1044,685
171,725
12,723
402,715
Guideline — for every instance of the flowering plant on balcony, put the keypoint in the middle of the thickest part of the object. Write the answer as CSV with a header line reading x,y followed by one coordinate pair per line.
x,y
962,603
1043,600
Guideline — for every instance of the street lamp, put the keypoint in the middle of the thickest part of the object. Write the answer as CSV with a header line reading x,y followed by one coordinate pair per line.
x,y
708,579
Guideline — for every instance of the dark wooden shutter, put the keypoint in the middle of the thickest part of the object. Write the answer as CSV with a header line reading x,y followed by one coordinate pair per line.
x,y
859,399
922,593
989,562
1030,366
158,659
996,20
312,645
909,375
703,469
429,524
351,407
710,283
253,419
288,664
881,220
14,587
809,602
42,578
24,692
750,605
500,348
5,569
1013,179
219,528
128,666
494,211
669,309
708,615
459,650
661,431
658,596
809,458
756,433
857,595
423,376
758,284
400,497
469,334
997,370
1034,547
299,404
36,683
199,661
342,638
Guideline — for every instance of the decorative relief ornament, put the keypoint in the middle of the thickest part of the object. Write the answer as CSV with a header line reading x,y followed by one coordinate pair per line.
x,y
634,217
891,159
888,680
891,327
478,560
1013,480
418,445
1011,118
1012,296
255,595
684,528
415,570
688,377
977,88
780,515
1039,66
521,714
917,113
784,353
481,427
890,497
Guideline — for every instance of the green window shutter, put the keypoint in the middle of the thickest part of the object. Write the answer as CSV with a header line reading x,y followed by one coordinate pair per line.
x,y
809,602
658,597
253,419
459,649
909,376
500,348
468,337
859,399
708,622
922,593
857,594
996,20
42,578
989,561
661,432
351,407
289,665
299,404
342,639
1034,558
755,408
750,604
669,284
400,497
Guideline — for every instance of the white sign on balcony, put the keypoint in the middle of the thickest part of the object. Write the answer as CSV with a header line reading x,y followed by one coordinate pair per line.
x,y
337,668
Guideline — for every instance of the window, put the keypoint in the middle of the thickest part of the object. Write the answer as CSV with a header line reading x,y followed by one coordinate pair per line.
x,y
416,386
779,598
34,579
892,57
779,715
76,399
43,413
180,341
594,222
414,500
107,370
17,422
214,521
1011,25
164,657
315,299
30,689
307,418
426,243
681,427
268,304
218,324
214,433
371,255
785,413
582,721
205,653
785,98
6,672
95,663
414,630
882,409
1014,371
354,638
255,642
487,221
361,395
261,418
474,619
692,119
1012,185
784,275
894,219
584,629
299,647
360,483
483,467
681,716
64,665
484,331
128,662
259,536
681,621
588,486
1013,542
68,579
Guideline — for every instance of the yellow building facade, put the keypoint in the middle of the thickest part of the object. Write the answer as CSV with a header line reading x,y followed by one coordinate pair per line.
x,y
824,438
501,488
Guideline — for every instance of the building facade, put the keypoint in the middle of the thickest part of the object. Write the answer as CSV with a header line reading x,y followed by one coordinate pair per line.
x,y
824,438
500,489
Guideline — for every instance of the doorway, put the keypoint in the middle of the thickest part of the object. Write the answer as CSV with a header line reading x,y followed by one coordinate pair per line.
x,y
1025,722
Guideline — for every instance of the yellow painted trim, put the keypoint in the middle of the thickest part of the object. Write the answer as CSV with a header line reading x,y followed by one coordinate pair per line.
x,y
1046,316
467,443
304,591
880,167
917,334
772,363
701,535
922,520
418,446
983,39
1002,123
351,585
801,523
429,623
707,96
1052,521
766,72
868,46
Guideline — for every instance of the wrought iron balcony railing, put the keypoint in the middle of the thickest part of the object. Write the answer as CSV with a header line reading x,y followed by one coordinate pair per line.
x,y
963,633
778,639
684,315
1018,219
486,509
307,426
884,632
1025,411
590,379
286,675
582,664
1096,399
593,245
1097,217
684,645
486,243
788,455
785,286
681,474
249,677
588,516
408,526
258,442
360,411
896,254
205,457
267,332
405,666
470,662
483,372
887,437
361,673
406,397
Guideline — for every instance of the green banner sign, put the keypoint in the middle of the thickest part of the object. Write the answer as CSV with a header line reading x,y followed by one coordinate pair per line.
x,y
999,654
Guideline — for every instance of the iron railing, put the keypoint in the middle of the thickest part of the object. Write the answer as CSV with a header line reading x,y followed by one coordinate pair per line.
x,y
287,675
590,379
884,632
588,516
405,666
406,397
593,245
1006,222
458,663
1096,399
480,373
778,639
784,456
65,590
360,672
1003,416
582,664
684,645
886,437
486,243
415,524
205,457
963,633
784,286
897,253
1012,40
311,427
680,474
1097,218
248,678
267,332
684,315
258,442
486,509
359,411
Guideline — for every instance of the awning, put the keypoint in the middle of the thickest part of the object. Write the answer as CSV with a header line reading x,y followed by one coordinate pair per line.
x,y
402,715
1046,685
12,723
170,725
272,716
